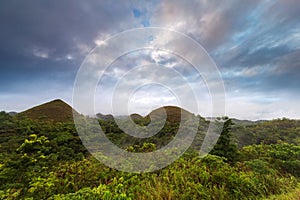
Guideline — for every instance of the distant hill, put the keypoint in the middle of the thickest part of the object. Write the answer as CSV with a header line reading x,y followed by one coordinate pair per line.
x,y
12,113
268,132
239,122
174,114
56,111
136,116
104,117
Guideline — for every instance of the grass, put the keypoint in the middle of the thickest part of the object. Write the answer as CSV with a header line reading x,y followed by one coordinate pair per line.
x,y
56,110
293,195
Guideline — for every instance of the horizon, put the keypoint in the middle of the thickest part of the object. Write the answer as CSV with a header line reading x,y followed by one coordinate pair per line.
x,y
255,45
145,114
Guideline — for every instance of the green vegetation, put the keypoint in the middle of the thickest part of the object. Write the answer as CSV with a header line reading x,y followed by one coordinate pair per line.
x,y
268,132
294,195
224,147
46,160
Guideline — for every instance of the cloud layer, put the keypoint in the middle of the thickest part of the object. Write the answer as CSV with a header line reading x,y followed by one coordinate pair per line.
x,y
255,44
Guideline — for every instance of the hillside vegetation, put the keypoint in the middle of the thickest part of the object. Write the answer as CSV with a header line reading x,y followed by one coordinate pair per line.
x,y
56,110
45,159
268,132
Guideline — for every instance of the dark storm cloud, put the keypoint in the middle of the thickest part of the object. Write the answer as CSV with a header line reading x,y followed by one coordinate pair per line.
x,y
43,41
57,26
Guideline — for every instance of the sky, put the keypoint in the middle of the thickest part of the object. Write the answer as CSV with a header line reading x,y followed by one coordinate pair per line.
x,y
254,44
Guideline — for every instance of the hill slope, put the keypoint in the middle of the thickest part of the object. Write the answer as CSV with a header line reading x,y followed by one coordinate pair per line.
x,y
268,132
56,111
174,114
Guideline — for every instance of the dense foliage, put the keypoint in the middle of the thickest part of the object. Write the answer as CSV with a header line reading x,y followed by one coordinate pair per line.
x,y
268,132
41,160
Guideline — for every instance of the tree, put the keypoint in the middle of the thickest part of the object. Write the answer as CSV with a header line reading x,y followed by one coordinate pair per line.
x,y
35,152
224,146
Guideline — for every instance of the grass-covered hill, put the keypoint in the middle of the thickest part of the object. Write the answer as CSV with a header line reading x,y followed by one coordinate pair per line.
x,y
136,117
268,132
174,114
104,117
56,111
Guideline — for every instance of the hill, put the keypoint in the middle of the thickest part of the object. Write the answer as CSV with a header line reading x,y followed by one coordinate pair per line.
x,y
239,122
12,113
104,117
268,132
137,118
56,111
174,114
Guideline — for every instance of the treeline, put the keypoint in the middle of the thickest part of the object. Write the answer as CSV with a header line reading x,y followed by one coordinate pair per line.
x,y
41,160
268,132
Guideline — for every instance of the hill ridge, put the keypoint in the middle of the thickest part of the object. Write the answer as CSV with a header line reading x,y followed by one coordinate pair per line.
x,y
55,110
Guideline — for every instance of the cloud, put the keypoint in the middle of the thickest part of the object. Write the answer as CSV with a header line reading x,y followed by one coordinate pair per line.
x,y
255,44
44,43
209,22
59,25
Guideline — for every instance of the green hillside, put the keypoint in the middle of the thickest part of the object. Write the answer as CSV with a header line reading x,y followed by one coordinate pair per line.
x,y
174,114
268,132
43,158
56,111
